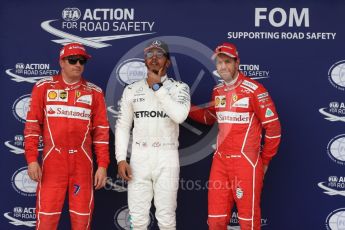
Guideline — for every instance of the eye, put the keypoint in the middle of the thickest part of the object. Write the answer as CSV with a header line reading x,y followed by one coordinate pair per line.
x,y
160,54
149,54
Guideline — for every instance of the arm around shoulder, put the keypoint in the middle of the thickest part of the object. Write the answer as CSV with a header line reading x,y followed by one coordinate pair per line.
x,y
175,101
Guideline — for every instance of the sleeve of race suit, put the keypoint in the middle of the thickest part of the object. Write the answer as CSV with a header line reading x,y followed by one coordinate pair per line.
x,y
206,115
123,125
264,108
176,102
100,130
33,124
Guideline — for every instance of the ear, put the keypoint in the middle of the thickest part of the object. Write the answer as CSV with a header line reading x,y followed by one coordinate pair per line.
x,y
237,63
167,64
61,62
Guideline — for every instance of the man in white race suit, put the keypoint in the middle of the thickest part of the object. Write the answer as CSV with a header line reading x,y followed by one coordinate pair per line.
x,y
157,105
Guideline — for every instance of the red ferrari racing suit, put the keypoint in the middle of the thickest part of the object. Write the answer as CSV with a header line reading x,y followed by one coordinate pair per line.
x,y
242,109
71,119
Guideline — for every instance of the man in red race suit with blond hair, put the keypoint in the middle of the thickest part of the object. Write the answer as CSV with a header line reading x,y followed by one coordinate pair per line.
x,y
243,109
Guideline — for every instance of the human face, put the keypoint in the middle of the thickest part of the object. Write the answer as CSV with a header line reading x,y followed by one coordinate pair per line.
x,y
227,67
72,68
155,60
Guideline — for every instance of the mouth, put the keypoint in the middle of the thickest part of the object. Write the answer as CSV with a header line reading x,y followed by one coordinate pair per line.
x,y
154,66
154,61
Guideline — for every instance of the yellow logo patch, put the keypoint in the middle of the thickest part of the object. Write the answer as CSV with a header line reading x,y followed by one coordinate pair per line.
x,y
52,95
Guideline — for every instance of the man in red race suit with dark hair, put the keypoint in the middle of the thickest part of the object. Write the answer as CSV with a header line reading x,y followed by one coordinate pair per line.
x,y
70,114
243,109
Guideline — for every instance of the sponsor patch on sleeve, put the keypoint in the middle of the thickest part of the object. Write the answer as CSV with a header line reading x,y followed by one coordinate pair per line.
x,y
269,113
250,84
262,95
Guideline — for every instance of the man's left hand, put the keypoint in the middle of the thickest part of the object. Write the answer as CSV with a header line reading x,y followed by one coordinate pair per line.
x,y
100,178
265,169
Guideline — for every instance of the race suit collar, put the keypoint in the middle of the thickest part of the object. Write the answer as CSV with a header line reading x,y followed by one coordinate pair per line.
x,y
163,78
232,82
68,86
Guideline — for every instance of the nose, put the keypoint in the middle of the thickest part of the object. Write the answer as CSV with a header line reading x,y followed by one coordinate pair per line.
x,y
78,63
222,65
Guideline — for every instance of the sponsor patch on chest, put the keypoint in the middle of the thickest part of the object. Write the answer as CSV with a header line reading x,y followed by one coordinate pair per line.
x,y
65,111
220,101
86,99
138,99
233,117
241,103
57,95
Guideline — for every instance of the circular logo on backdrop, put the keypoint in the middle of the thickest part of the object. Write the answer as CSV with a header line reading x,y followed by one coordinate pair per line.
x,y
195,66
336,149
21,107
122,219
336,220
22,183
131,70
336,75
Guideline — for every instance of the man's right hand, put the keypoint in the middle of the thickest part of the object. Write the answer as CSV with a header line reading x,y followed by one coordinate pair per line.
x,y
153,77
34,171
124,170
